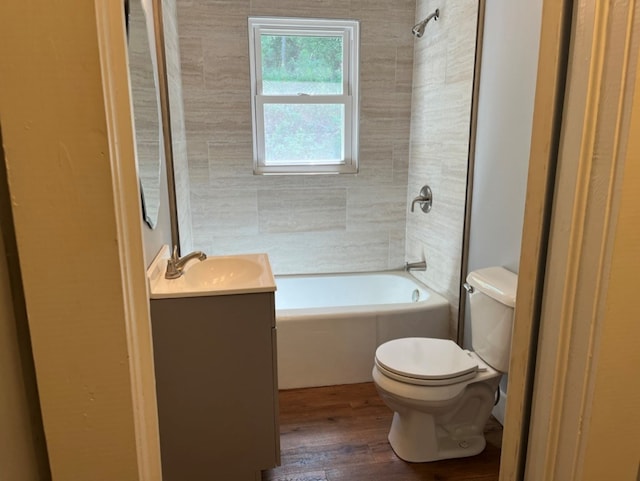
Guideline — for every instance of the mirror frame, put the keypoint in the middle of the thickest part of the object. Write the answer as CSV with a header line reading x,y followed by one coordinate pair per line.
x,y
150,198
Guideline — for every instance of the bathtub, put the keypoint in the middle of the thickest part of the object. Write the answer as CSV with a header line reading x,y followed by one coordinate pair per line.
x,y
328,326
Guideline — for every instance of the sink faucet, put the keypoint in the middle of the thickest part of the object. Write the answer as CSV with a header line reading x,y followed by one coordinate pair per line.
x,y
175,264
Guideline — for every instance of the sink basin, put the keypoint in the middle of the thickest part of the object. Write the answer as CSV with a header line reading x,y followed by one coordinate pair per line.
x,y
215,276
217,272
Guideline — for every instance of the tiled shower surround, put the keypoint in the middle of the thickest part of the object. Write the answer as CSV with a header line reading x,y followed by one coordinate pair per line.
x,y
440,126
414,119
310,223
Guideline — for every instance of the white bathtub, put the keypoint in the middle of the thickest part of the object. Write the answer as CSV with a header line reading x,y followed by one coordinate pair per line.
x,y
330,325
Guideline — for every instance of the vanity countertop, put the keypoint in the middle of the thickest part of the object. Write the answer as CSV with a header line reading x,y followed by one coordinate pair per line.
x,y
215,276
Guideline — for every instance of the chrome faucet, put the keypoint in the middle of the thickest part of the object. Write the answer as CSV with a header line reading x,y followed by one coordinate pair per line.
x,y
415,266
175,264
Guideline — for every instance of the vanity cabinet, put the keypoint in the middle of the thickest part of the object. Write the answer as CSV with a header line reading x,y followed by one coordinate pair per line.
x,y
217,389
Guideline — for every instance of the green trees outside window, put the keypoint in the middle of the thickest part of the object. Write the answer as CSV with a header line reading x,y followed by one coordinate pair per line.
x,y
287,59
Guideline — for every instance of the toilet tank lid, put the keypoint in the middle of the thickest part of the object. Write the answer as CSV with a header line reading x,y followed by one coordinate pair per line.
x,y
495,282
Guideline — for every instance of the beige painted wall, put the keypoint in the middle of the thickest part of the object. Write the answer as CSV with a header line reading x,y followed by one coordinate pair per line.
x,y
75,202
21,457
440,125
614,392
584,418
305,223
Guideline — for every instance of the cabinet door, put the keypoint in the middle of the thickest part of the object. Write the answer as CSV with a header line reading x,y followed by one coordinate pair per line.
x,y
215,384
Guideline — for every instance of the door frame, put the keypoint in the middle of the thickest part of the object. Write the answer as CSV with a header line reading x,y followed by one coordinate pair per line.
x,y
577,180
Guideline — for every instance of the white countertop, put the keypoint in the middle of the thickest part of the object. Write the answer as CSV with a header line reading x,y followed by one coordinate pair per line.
x,y
215,276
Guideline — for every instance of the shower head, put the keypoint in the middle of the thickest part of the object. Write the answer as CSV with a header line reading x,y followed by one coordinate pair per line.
x,y
418,29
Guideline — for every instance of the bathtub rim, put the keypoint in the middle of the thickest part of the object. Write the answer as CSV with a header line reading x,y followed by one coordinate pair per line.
x,y
434,299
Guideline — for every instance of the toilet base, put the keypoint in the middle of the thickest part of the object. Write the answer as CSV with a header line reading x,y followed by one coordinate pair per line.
x,y
414,438
425,429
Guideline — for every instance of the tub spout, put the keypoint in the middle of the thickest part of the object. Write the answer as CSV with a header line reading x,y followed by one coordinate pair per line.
x,y
415,266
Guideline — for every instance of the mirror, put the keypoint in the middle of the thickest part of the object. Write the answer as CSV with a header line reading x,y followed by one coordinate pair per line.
x,y
146,104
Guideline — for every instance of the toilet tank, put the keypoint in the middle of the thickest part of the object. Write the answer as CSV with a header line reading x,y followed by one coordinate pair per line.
x,y
491,302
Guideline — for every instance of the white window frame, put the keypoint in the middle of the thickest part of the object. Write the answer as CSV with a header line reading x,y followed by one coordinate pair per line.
x,y
350,32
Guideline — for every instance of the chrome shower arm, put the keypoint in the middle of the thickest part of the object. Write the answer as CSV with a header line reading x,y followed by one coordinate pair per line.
x,y
418,28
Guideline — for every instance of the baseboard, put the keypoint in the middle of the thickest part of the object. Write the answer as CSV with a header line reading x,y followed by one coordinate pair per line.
x,y
499,409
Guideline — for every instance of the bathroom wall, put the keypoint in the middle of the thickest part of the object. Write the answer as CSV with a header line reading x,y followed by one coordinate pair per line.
x,y
64,102
22,449
503,139
306,223
505,116
440,125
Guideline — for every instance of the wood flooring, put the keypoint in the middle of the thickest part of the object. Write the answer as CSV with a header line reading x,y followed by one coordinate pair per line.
x,y
339,433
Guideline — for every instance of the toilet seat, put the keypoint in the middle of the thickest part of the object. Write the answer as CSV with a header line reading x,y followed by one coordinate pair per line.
x,y
426,361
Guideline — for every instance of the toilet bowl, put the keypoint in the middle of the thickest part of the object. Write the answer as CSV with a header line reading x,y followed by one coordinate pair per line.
x,y
441,394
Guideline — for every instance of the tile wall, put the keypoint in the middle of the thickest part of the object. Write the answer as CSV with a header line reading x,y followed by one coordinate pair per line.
x,y
305,223
440,125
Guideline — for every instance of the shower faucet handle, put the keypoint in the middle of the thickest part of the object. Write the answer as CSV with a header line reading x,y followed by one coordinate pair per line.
x,y
425,199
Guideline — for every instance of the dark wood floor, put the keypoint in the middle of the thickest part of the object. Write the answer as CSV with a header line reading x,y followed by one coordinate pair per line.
x,y
339,433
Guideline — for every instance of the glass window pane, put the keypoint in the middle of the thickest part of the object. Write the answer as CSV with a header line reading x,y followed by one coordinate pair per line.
x,y
304,133
301,64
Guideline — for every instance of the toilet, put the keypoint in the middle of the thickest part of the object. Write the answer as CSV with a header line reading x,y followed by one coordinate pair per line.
x,y
441,394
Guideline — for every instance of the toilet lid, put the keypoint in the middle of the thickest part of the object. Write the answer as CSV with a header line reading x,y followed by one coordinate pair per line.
x,y
425,358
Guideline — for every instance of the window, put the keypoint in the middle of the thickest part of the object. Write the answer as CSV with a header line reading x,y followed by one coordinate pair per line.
x,y
304,95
